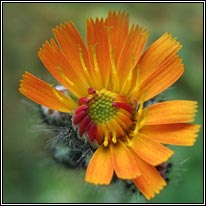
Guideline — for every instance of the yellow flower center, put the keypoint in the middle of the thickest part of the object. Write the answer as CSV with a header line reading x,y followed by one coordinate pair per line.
x,y
103,116
100,107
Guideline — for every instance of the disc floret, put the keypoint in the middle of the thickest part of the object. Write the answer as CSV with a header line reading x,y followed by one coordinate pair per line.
x,y
103,116
101,109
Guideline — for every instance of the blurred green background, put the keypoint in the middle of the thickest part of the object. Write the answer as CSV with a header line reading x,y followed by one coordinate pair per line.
x,y
29,175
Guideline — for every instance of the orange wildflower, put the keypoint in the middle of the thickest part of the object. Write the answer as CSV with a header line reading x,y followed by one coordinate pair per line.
x,y
109,80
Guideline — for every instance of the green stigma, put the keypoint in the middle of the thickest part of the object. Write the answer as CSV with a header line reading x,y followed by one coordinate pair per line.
x,y
100,107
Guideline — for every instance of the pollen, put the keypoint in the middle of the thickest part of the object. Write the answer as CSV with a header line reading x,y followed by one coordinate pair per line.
x,y
101,109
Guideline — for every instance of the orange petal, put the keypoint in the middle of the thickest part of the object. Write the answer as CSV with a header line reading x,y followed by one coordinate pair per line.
x,y
98,50
164,75
100,168
73,48
176,111
44,94
70,42
130,53
150,151
57,64
150,182
159,67
175,134
118,24
160,50
124,162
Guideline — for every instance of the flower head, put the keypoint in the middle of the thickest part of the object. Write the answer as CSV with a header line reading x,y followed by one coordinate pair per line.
x,y
109,80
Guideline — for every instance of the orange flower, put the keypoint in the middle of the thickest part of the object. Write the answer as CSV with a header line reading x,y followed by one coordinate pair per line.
x,y
109,80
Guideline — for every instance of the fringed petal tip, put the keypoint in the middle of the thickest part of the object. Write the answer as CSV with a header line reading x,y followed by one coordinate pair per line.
x,y
23,82
62,26
95,181
45,94
100,168
193,135
112,16
150,182
182,134
95,21
152,194
117,13
171,112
